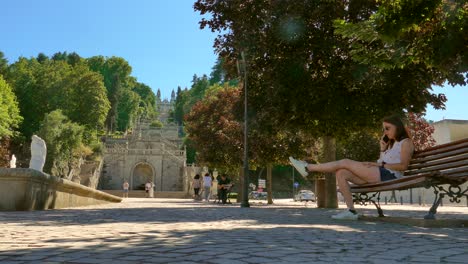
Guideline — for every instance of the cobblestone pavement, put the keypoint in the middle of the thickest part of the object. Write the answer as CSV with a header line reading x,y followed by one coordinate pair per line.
x,y
184,231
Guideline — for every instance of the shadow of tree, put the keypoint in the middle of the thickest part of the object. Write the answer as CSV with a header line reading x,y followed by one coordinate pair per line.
x,y
206,233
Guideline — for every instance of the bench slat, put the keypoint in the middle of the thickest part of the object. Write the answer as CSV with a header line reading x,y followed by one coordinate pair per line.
x,y
411,183
442,148
408,182
377,184
441,167
456,154
448,172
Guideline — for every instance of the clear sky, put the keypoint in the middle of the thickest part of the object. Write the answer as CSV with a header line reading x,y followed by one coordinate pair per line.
x,y
160,39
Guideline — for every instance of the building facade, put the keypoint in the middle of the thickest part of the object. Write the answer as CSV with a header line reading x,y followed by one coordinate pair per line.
x,y
148,154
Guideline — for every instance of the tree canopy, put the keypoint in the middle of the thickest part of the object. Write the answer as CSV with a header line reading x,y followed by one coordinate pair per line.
x,y
42,87
400,34
9,112
303,74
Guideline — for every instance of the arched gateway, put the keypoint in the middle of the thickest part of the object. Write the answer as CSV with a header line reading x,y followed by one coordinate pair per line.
x,y
142,173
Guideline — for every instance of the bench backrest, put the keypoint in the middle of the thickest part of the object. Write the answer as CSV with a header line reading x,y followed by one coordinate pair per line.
x,y
449,160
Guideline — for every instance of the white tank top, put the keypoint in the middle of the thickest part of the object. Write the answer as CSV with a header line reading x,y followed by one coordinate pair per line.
x,y
392,156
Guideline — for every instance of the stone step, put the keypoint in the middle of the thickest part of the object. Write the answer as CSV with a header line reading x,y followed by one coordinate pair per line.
x,y
142,194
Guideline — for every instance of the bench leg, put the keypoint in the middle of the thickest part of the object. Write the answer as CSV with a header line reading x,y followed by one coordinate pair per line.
x,y
379,209
435,205
365,198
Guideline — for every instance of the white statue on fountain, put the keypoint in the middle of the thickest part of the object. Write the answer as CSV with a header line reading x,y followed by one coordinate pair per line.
x,y
13,161
38,153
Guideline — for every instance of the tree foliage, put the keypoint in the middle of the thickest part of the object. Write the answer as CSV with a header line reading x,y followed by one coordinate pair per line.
x,y
215,127
421,131
63,139
55,84
361,146
427,35
147,100
3,64
116,73
186,99
9,112
215,131
128,98
303,74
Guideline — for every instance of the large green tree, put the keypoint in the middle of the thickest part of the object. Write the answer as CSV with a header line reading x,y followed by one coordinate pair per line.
x,y
212,125
147,101
215,127
186,99
430,35
116,73
3,64
64,139
9,112
303,75
55,84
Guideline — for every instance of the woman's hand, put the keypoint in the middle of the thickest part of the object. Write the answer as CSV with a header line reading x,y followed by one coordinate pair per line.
x,y
383,144
371,164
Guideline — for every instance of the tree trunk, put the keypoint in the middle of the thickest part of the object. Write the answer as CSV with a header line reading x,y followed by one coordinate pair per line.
x,y
320,193
269,184
326,188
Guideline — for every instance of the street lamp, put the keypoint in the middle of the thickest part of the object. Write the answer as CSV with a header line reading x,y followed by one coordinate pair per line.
x,y
242,70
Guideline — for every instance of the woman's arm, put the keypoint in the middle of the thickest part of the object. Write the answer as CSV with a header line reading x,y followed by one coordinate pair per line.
x,y
407,149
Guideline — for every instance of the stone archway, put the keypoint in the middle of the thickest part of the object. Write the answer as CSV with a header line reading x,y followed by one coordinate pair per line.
x,y
142,172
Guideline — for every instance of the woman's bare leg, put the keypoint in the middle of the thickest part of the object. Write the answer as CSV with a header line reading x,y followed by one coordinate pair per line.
x,y
343,177
358,169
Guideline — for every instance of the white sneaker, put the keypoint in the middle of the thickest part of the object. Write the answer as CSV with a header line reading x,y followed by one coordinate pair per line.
x,y
300,166
345,215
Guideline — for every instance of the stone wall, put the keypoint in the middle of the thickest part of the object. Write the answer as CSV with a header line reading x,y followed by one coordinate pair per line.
x,y
28,189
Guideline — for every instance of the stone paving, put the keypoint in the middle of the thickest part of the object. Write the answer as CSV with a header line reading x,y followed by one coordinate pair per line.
x,y
183,231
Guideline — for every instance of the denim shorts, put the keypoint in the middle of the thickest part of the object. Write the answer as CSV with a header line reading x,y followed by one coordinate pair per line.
x,y
386,175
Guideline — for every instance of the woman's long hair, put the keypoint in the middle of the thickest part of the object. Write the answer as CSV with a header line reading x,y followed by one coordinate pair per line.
x,y
401,132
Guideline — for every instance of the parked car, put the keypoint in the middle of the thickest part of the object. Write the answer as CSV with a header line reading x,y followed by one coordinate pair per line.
x,y
258,195
305,195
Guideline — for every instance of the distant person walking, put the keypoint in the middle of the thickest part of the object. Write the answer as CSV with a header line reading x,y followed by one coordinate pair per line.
x,y
196,184
224,185
148,186
207,183
125,186
151,190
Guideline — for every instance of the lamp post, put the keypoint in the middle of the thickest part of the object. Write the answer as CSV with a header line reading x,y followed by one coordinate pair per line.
x,y
242,70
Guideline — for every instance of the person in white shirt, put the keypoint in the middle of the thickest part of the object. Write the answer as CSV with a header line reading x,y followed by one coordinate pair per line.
x,y
396,150
148,187
125,186
207,183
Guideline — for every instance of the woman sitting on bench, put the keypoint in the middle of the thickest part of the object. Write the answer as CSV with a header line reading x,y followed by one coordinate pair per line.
x,y
396,150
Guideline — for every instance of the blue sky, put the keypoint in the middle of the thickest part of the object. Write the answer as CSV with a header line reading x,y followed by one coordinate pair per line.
x,y
160,39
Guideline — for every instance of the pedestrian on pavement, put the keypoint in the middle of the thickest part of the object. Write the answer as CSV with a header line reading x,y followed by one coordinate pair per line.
x,y
125,186
207,183
396,149
224,184
196,184
151,190
147,189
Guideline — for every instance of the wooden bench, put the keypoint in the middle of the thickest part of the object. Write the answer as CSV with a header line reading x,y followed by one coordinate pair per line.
x,y
433,167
